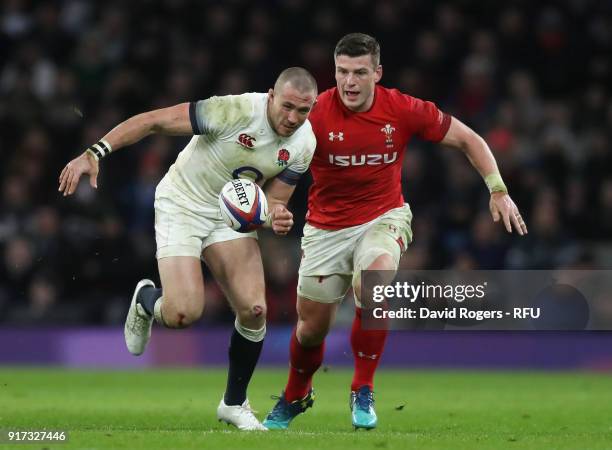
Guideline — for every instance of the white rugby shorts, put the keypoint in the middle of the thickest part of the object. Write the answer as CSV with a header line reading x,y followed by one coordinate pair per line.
x,y
330,258
184,227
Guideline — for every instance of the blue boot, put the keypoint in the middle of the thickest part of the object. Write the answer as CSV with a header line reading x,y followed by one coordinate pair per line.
x,y
284,412
362,408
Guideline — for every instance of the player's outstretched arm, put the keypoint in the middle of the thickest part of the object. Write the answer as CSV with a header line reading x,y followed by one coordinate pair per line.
x,y
173,121
502,207
278,194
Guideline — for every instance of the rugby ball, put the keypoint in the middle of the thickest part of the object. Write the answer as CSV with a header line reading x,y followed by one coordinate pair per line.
x,y
243,205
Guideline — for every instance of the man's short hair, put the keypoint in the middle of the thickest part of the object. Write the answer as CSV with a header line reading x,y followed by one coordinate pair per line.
x,y
300,79
358,44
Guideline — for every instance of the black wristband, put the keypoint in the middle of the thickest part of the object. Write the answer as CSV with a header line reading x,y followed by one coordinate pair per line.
x,y
100,149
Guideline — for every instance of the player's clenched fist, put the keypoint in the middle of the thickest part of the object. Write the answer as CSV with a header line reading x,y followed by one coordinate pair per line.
x,y
71,174
281,219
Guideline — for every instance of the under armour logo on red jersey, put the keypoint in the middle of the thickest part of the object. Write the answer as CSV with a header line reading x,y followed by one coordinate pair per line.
x,y
339,136
246,141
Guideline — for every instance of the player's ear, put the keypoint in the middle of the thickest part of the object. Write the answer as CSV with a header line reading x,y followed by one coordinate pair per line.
x,y
271,94
378,73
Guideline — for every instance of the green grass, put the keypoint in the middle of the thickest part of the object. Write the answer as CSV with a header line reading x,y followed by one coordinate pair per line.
x,y
443,410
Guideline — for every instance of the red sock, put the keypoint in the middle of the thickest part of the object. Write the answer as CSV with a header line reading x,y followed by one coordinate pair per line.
x,y
304,362
368,346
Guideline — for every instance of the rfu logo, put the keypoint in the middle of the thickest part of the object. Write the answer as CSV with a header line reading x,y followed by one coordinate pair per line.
x,y
246,141
362,160
339,136
388,131
283,157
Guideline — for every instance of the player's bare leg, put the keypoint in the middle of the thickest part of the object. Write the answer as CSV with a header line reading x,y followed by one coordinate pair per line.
x,y
245,291
314,321
183,291
182,302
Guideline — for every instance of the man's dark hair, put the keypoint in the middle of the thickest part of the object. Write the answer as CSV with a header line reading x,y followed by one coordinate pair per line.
x,y
300,79
358,44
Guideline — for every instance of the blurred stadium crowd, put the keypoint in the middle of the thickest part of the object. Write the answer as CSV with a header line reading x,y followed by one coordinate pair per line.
x,y
533,78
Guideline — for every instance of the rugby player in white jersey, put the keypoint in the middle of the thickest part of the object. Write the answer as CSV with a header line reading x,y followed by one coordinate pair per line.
x,y
257,136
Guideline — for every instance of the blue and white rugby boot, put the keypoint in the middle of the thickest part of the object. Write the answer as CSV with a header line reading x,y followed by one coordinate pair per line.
x,y
137,329
362,408
284,412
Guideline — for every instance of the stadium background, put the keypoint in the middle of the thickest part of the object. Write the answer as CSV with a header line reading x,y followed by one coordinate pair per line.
x,y
533,78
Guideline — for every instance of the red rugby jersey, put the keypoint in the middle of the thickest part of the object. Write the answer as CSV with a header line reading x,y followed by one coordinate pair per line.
x,y
357,166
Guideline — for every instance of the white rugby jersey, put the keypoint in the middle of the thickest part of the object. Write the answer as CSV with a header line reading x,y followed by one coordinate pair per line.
x,y
233,139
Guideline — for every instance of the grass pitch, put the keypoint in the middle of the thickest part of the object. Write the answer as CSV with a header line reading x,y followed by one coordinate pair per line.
x,y
175,409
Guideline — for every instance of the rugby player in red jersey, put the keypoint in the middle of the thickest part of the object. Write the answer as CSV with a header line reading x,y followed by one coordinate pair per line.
x,y
357,218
